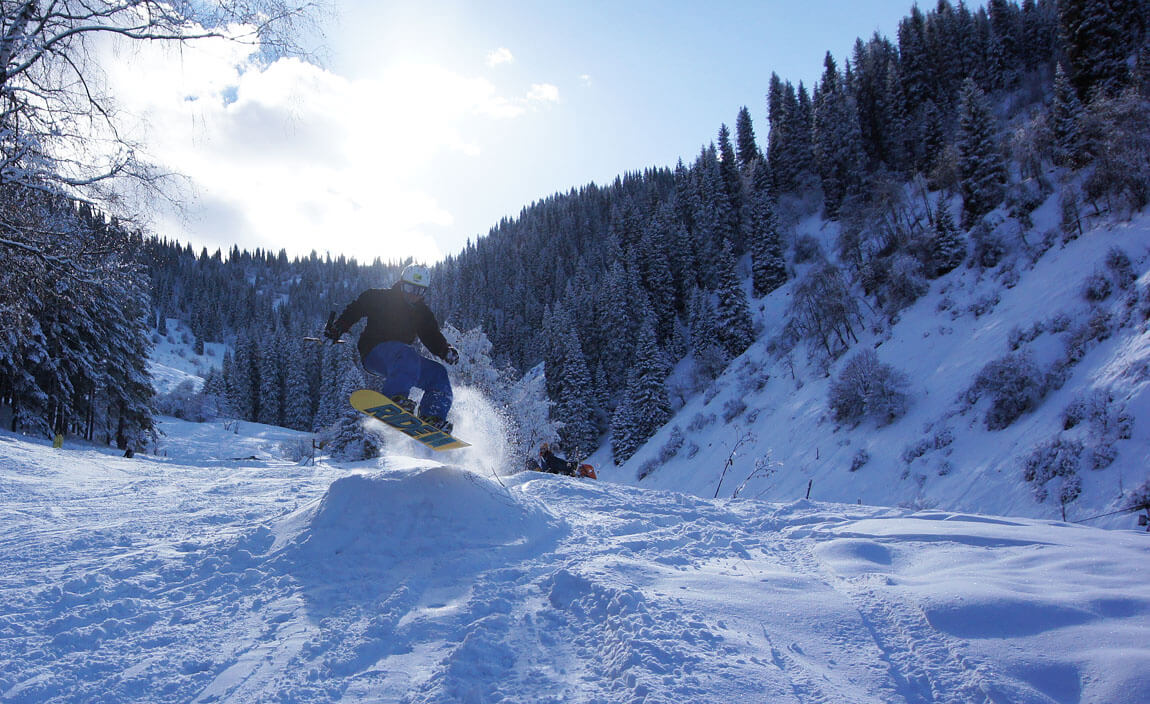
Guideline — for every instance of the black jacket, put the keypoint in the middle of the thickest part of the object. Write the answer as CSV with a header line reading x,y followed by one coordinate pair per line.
x,y
390,317
555,465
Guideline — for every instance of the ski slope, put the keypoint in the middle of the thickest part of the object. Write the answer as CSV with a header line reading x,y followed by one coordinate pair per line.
x,y
224,573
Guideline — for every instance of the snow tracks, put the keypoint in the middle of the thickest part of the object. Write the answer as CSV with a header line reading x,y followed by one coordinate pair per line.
x,y
135,580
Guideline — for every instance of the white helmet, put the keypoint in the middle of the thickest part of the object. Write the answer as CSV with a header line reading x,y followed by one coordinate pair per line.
x,y
417,275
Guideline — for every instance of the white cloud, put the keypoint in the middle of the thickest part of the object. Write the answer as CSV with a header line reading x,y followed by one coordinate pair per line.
x,y
502,55
301,158
543,93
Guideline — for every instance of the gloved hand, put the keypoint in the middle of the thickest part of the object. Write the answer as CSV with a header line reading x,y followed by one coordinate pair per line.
x,y
452,356
332,332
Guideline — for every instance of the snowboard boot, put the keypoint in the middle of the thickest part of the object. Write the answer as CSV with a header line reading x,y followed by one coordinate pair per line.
x,y
404,402
438,423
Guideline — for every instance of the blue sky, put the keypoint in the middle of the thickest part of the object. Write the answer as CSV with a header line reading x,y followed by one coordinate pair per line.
x,y
428,121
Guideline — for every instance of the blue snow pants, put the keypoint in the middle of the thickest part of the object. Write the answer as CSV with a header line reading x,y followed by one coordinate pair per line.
x,y
402,368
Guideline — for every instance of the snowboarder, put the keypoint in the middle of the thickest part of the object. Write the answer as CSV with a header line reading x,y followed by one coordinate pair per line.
x,y
395,317
554,464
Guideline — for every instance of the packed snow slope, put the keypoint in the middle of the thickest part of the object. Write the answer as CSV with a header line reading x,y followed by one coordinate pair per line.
x,y
767,417
219,572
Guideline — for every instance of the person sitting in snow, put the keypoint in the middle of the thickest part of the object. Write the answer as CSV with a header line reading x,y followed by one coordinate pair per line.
x,y
554,464
395,317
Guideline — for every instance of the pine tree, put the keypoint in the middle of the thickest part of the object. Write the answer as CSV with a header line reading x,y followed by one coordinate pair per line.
x,y
947,248
768,267
709,356
624,432
574,408
347,438
1098,37
837,140
746,147
1004,54
648,390
271,382
731,183
982,168
297,390
1066,120
735,330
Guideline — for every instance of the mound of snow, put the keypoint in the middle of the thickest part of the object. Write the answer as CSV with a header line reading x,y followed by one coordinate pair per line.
x,y
414,511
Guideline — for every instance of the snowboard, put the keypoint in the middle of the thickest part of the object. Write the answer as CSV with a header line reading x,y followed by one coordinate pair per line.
x,y
382,408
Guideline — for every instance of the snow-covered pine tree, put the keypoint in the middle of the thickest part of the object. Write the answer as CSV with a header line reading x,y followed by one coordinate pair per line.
x,y
1004,57
1066,121
1097,38
648,405
624,432
271,378
837,139
347,439
746,146
614,323
710,357
768,267
947,246
729,170
736,333
574,410
654,262
333,371
982,167
297,388
243,380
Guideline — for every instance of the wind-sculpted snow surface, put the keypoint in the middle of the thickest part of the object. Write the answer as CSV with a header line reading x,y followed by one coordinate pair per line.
x,y
197,578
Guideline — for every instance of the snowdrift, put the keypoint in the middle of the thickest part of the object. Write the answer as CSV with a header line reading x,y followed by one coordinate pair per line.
x,y
417,511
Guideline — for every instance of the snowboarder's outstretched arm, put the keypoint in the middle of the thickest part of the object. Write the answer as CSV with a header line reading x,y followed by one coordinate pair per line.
x,y
352,314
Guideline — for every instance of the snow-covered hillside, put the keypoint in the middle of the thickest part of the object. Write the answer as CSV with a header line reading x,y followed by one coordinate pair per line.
x,y
770,416
220,571
173,362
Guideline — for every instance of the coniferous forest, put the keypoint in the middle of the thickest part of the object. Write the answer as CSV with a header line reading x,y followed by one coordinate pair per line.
x,y
613,285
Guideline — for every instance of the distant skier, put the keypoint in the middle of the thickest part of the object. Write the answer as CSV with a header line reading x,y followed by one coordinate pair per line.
x,y
551,463
395,317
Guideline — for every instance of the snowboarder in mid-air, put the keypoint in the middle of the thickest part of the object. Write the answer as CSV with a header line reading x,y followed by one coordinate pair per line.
x,y
395,317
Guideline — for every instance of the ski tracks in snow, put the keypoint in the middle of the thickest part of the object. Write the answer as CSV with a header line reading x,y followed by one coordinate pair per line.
x,y
136,580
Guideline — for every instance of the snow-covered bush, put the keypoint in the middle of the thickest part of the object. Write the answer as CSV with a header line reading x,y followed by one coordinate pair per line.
x,y
1071,212
984,304
807,249
1120,266
1055,460
943,438
1102,456
348,441
1015,384
867,388
700,421
861,458
1089,406
824,311
1060,322
1097,287
1081,339
733,408
1019,335
184,402
912,452
989,247
1117,133
1138,499
905,282
666,452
